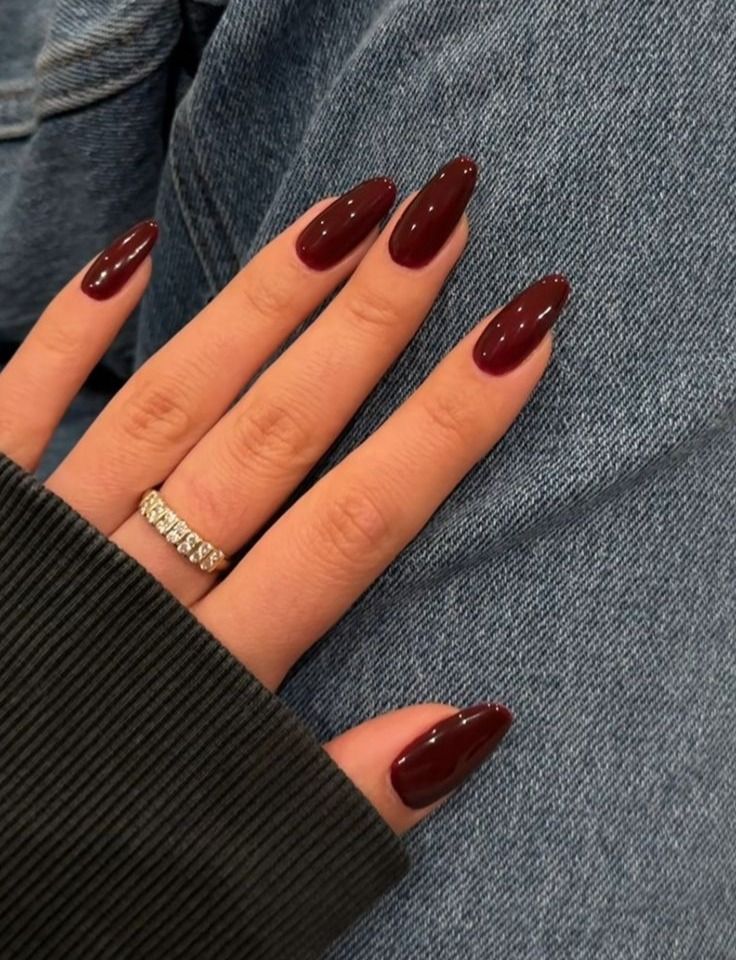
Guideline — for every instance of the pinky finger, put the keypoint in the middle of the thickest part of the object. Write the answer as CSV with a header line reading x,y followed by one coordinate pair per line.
x,y
407,762
45,373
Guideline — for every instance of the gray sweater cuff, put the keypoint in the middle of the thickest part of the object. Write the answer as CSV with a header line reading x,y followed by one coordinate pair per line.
x,y
155,799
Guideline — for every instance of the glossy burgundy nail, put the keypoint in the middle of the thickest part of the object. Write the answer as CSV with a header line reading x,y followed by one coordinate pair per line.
x,y
439,760
117,264
347,221
433,214
520,326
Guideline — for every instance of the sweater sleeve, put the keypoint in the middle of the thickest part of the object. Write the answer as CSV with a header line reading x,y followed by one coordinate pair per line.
x,y
155,799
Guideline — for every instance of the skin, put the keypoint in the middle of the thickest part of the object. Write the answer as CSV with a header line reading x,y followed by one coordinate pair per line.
x,y
229,465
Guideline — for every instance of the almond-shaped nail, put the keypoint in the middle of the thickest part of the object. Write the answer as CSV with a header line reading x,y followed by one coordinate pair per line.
x,y
521,325
117,263
433,214
345,223
439,760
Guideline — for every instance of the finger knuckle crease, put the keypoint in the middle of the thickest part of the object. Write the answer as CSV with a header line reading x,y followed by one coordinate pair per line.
x,y
273,436
373,310
355,527
156,412
267,298
59,343
448,415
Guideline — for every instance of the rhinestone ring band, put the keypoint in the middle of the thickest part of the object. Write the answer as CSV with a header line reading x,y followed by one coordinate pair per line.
x,y
180,535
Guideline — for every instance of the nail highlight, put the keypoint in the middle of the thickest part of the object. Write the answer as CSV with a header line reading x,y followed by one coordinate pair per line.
x,y
520,326
118,262
438,761
345,223
433,214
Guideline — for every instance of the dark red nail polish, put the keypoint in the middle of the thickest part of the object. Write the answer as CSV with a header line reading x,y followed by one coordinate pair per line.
x,y
347,221
439,760
521,325
433,214
117,264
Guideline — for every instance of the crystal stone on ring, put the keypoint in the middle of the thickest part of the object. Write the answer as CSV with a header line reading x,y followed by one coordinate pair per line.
x,y
188,544
166,521
156,512
198,555
179,530
211,561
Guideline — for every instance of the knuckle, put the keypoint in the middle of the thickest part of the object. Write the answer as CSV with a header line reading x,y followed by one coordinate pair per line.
x,y
156,411
354,529
272,436
372,310
448,415
267,297
60,343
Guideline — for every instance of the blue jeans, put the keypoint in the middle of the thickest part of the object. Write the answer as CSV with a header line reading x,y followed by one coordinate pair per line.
x,y
584,572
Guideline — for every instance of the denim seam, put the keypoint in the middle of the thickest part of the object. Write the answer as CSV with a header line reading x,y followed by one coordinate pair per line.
x,y
203,184
26,102
69,100
14,131
204,189
184,210
67,54
15,89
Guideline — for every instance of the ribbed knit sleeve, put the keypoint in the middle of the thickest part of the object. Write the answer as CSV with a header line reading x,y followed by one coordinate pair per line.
x,y
156,801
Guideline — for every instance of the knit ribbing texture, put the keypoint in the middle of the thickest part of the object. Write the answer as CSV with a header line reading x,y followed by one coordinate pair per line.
x,y
155,799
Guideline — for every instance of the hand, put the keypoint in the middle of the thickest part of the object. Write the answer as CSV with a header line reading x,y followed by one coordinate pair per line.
x,y
226,463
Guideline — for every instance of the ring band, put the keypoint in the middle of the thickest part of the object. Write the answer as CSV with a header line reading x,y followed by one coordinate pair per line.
x,y
179,534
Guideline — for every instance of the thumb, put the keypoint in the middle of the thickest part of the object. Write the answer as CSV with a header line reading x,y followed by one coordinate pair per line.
x,y
408,761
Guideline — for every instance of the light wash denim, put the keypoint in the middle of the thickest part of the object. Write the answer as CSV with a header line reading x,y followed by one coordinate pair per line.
x,y
584,572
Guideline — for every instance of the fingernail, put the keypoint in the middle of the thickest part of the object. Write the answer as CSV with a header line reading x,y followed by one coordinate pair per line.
x,y
433,214
521,325
439,760
345,223
117,264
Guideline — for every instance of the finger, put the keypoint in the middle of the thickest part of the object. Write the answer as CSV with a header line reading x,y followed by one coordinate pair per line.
x,y
332,544
47,370
236,477
408,762
178,394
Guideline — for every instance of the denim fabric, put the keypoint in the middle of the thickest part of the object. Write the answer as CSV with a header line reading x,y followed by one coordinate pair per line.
x,y
584,572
